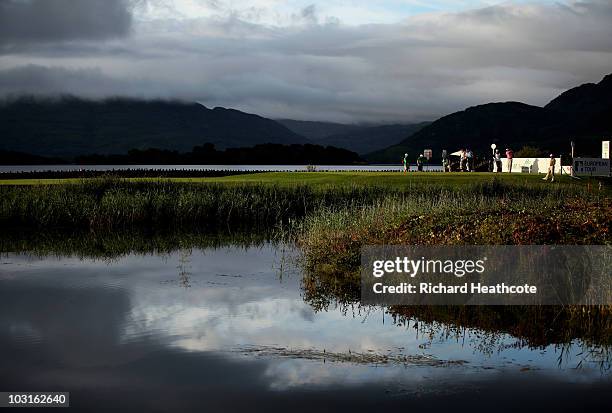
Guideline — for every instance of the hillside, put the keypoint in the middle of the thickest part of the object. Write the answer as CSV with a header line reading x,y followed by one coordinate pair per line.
x,y
369,139
582,114
70,126
359,138
315,130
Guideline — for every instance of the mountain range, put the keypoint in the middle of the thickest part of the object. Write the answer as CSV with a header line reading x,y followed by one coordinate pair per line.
x,y
69,126
582,114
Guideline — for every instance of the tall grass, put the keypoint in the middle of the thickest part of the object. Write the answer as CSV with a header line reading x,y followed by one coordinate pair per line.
x,y
331,238
482,213
116,203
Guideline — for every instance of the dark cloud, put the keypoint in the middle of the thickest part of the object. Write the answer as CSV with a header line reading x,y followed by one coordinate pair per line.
x,y
31,21
90,83
418,69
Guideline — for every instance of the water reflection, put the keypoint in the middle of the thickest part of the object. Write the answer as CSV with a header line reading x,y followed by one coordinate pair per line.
x,y
223,321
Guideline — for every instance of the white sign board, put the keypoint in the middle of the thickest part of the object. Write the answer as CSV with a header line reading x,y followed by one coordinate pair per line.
x,y
592,166
534,165
605,149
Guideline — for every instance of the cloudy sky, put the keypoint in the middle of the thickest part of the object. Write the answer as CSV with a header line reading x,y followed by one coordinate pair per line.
x,y
339,60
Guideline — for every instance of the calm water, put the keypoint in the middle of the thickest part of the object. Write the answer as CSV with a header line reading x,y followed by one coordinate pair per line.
x,y
228,329
38,168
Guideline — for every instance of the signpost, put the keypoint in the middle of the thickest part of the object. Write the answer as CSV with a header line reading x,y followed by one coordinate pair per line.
x,y
605,149
572,171
591,166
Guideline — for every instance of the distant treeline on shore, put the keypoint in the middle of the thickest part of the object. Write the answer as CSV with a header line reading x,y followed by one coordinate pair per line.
x,y
20,158
206,154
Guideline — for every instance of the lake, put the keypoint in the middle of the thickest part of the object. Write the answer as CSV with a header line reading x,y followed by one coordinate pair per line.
x,y
270,168
231,329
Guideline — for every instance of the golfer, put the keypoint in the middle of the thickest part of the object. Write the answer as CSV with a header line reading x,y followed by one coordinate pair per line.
x,y
498,162
463,160
406,163
469,160
551,169
420,161
510,156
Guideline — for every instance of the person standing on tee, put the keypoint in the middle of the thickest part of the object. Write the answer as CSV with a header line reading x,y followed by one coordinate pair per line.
x,y
469,160
498,162
510,156
551,169
420,161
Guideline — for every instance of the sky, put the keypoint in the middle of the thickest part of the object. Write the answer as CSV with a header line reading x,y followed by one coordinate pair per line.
x,y
334,60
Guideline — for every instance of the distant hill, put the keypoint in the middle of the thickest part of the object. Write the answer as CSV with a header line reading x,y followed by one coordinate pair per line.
x,y
582,114
70,126
316,131
369,139
359,138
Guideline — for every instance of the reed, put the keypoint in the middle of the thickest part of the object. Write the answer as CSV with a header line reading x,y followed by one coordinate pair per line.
x,y
331,239
117,203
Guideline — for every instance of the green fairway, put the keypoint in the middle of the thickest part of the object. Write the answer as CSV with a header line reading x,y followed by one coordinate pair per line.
x,y
391,179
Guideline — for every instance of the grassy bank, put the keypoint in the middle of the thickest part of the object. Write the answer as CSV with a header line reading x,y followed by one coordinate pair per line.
x,y
116,203
250,201
494,212
351,201
487,215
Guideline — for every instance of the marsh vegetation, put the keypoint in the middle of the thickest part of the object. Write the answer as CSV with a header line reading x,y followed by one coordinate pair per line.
x,y
329,217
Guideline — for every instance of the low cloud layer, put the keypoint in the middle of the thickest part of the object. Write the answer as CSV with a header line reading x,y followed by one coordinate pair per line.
x,y
318,67
26,21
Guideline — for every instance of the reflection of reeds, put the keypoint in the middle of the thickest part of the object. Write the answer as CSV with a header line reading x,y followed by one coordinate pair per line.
x,y
488,326
535,325
114,244
184,267
369,358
